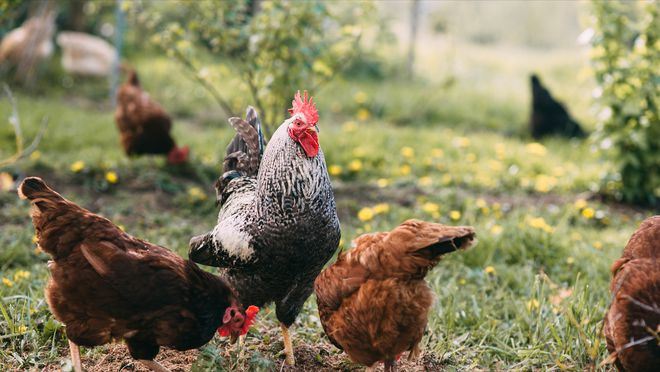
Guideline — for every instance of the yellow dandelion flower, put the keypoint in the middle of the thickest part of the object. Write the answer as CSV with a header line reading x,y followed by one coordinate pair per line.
x,y
363,114
598,245
471,158
77,166
455,215
446,179
570,260
462,281
355,165
404,170
536,148
349,126
543,183
196,194
437,153
495,165
335,170
21,328
21,274
580,204
35,239
36,155
425,181
490,270
383,182
341,242
461,142
111,177
407,152
7,282
366,214
38,250
381,208
588,213
360,97
539,223
481,203
496,230
533,304
430,207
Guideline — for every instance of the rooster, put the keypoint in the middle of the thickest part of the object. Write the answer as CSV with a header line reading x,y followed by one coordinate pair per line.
x,y
106,284
277,225
632,323
143,125
373,302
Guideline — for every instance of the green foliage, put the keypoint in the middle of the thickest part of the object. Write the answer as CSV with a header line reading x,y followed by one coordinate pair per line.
x,y
283,47
626,60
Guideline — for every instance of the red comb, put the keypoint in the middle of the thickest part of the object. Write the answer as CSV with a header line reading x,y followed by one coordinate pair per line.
x,y
307,107
250,315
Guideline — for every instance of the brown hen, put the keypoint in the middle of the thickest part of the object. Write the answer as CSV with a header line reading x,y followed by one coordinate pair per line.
x,y
143,125
374,302
106,284
632,323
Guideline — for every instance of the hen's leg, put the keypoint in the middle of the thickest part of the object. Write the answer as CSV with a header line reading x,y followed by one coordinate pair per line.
x,y
414,352
75,356
288,345
153,365
390,366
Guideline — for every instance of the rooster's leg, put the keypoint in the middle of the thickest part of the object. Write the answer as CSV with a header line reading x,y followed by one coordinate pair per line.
x,y
75,356
153,365
288,346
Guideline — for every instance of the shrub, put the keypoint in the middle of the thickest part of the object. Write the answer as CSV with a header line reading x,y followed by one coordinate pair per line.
x,y
626,60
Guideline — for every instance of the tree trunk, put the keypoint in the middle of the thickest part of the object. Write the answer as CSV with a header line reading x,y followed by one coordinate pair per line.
x,y
414,20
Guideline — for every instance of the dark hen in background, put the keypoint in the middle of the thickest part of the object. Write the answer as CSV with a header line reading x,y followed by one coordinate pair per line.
x,y
549,117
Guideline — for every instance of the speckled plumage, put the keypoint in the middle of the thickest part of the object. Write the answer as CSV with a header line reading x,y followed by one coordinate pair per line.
x,y
276,229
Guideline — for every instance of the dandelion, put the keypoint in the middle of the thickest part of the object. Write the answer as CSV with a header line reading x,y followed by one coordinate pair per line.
x,y
381,208
425,181
404,170
544,183
382,182
341,242
349,126
38,250
35,239
500,151
461,142
471,158
481,203
111,177
21,328
355,165
588,213
580,204
462,281
363,114
407,152
437,153
570,260
365,214
446,179
490,270
455,215
360,97
77,166
36,155
539,223
430,207
20,275
334,170
196,194
121,227
536,148
496,230
7,282
576,236
532,304
598,245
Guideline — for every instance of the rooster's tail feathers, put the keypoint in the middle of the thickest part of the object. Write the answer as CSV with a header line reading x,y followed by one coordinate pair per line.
x,y
245,150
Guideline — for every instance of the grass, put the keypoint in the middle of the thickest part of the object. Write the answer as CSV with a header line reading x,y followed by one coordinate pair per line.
x,y
530,295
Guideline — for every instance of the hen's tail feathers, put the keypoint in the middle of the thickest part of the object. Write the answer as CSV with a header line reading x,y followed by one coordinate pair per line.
x,y
432,240
35,189
244,152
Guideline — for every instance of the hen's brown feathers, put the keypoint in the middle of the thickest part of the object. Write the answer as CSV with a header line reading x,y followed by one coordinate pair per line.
x,y
106,284
373,302
631,325
143,125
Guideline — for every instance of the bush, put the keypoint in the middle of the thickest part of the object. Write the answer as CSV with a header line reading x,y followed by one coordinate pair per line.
x,y
626,60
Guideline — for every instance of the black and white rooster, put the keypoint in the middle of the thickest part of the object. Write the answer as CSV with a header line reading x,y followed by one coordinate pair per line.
x,y
277,225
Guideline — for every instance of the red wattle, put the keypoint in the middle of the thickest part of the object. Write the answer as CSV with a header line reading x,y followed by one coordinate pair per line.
x,y
309,140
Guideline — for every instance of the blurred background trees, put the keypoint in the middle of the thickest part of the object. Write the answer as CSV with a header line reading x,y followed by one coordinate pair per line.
x,y
626,62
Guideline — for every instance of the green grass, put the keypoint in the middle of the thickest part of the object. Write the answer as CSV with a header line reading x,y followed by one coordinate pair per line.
x,y
530,295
